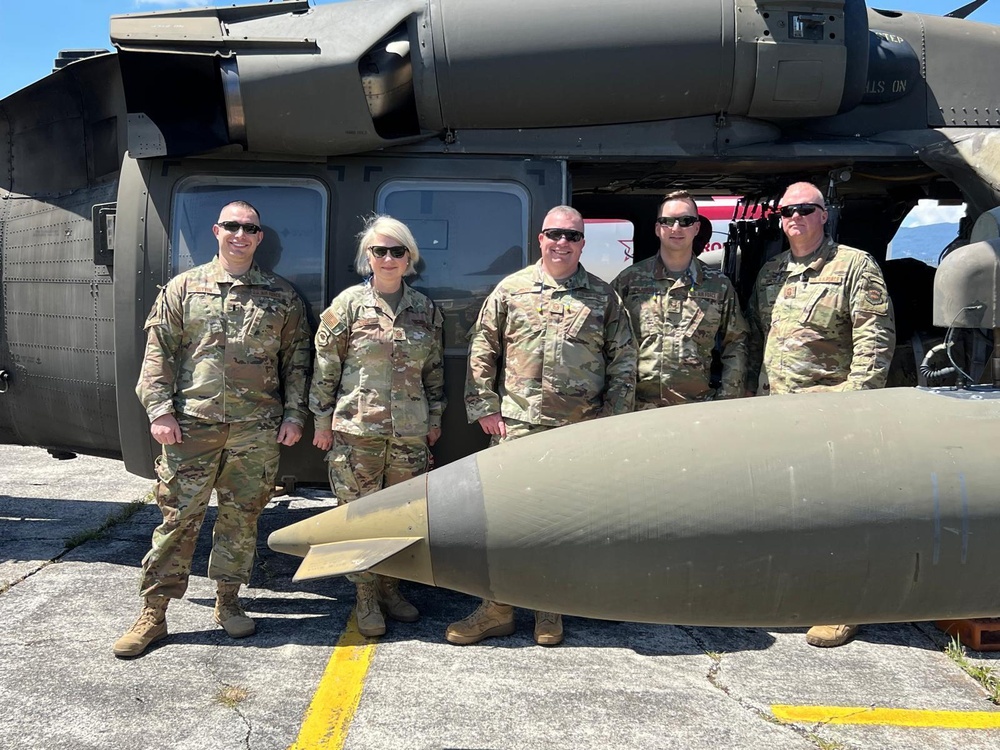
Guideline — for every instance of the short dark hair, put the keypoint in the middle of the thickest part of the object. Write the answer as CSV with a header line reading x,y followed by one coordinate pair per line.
x,y
677,195
246,205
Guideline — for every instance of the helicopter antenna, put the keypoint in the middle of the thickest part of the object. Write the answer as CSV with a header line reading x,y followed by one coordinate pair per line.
x,y
965,10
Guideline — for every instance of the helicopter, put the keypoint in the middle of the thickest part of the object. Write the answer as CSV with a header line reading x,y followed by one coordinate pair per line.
x,y
467,120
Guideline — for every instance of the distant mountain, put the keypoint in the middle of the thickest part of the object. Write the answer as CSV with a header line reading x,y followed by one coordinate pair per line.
x,y
923,243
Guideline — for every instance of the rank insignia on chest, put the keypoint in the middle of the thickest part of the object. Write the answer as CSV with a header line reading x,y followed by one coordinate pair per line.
x,y
398,334
555,308
674,305
788,292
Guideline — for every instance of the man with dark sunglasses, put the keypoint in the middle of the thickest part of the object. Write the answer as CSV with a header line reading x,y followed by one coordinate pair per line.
x,y
552,346
223,382
679,309
820,320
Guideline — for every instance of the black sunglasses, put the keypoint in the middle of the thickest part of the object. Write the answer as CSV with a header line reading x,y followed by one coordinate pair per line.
x,y
802,209
684,221
555,235
396,251
235,226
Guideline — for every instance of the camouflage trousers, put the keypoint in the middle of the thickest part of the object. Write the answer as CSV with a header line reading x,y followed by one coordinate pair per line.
x,y
359,465
239,460
517,429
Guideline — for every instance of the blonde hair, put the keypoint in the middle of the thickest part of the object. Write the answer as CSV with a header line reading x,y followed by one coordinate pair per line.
x,y
387,227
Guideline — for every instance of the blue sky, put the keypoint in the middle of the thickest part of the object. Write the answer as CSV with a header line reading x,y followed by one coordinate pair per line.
x,y
31,33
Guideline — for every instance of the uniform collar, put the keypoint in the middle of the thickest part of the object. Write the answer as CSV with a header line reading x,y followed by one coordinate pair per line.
x,y
693,276
253,277
373,299
814,261
580,278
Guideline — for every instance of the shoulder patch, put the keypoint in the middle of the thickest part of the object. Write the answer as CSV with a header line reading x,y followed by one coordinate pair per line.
x,y
330,318
873,296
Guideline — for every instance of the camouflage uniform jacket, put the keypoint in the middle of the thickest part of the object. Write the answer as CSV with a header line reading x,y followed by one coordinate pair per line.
x,y
379,372
676,324
828,323
225,348
565,347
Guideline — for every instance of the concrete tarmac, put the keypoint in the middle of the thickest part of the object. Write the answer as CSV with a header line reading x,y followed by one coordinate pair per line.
x,y
307,680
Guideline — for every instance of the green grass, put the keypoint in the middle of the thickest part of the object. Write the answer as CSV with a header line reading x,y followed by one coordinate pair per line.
x,y
985,676
826,744
110,522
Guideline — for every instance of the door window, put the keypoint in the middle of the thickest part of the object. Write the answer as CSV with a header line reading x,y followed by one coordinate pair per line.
x,y
293,214
471,235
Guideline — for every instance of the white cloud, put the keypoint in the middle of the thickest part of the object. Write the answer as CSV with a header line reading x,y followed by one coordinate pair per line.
x,y
928,212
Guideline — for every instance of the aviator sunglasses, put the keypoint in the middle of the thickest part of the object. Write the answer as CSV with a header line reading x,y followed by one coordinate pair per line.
x,y
802,209
235,226
396,251
684,221
555,235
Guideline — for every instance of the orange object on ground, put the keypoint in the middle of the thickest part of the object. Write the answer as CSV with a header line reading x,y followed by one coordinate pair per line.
x,y
980,634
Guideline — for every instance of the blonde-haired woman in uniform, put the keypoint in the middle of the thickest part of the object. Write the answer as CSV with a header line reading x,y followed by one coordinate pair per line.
x,y
377,392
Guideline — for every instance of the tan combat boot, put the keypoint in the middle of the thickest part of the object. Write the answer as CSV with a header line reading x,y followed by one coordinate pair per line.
x,y
370,620
548,629
229,614
489,620
147,630
828,636
392,602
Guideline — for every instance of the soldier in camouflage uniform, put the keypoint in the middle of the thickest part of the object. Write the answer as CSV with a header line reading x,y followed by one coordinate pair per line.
x,y
679,307
566,347
377,393
224,383
820,320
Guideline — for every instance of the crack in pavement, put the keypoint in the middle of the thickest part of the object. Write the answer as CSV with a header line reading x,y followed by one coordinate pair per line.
x,y
713,677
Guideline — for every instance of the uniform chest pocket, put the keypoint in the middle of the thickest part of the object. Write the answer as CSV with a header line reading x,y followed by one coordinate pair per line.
x,y
649,315
525,317
824,304
265,316
586,320
204,311
773,287
645,308
414,337
368,336
706,316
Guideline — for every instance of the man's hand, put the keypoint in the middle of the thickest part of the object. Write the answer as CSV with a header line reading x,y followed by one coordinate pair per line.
x,y
323,439
165,430
289,433
493,424
433,434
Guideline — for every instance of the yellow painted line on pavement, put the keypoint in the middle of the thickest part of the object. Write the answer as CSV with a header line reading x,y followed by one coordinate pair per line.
x,y
336,699
896,717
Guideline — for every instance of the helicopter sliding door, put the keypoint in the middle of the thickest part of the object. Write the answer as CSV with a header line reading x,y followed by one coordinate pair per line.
x,y
295,215
475,220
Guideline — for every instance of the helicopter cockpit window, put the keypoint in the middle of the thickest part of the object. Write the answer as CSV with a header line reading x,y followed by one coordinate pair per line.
x,y
294,216
928,229
470,234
